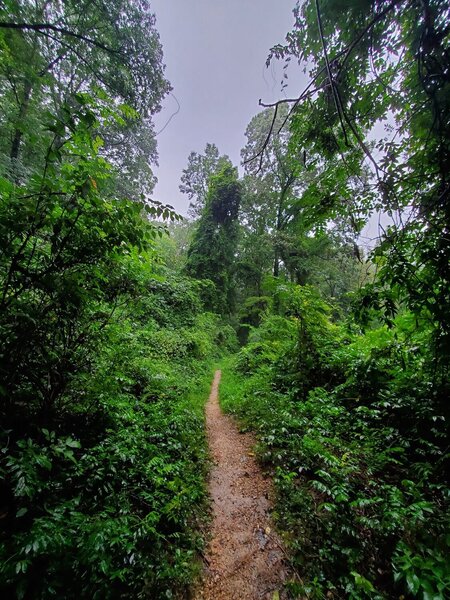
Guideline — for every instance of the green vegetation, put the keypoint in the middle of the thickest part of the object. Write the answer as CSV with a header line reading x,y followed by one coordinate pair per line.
x,y
106,355
113,311
107,494
211,254
357,449
348,392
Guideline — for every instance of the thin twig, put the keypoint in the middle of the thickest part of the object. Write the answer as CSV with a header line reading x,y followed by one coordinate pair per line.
x,y
336,97
261,152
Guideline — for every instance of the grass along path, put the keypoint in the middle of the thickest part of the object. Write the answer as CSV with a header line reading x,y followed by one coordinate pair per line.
x,y
244,559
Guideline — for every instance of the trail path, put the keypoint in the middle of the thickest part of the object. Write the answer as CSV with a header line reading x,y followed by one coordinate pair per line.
x,y
244,560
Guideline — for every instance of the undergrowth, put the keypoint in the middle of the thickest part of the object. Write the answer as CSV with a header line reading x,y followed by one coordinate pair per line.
x,y
105,501
352,426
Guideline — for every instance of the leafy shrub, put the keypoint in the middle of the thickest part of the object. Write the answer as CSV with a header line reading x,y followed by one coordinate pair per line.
x,y
112,507
102,441
357,443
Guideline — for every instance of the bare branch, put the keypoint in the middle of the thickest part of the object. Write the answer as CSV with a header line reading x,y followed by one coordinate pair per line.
x,y
261,152
305,95
337,102
308,93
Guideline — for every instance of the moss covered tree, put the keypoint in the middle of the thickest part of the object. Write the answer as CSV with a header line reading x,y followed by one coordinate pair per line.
x,y
212,252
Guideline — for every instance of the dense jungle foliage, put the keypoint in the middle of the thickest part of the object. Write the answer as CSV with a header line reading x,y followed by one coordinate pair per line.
x,y
113,310
105,353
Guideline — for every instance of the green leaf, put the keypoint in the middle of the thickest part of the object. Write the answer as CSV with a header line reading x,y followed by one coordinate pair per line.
x,y
72,443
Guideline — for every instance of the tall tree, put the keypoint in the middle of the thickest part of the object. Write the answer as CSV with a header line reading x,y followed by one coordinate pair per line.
x,y
213,248
372,63
195,177
272,169
278,192
62,216
51,51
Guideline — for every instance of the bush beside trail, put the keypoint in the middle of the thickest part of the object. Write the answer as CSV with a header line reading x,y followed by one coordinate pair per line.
x,y
357,447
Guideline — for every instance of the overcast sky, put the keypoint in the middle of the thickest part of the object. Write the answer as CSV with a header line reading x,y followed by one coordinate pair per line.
x,y
215,53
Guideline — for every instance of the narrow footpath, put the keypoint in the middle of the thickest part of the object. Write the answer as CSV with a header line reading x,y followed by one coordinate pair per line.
x,y
244,560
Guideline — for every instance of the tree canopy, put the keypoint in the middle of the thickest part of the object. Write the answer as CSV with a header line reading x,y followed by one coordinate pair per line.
x,y
382,63
196,176
211,254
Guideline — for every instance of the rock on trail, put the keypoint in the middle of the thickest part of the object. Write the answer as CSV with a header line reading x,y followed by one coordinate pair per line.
x,y
244,560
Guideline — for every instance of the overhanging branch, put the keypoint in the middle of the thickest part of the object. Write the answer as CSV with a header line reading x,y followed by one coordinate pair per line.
x,y
42,27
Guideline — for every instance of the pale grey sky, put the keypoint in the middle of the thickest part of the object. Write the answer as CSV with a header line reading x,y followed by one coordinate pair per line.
x,y
215,53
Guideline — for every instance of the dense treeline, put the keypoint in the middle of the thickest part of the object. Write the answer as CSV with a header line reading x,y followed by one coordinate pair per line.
x,y
109,327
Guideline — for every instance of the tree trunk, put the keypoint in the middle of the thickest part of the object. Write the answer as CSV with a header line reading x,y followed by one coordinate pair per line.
x,y
279,226
18,133
276,263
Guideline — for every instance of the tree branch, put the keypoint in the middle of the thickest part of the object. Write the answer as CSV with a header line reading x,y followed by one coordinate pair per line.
x,y
266,141
337,103
40,27
307,93
366,29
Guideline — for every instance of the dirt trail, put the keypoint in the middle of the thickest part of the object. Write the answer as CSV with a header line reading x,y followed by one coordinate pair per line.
x,y
244,560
